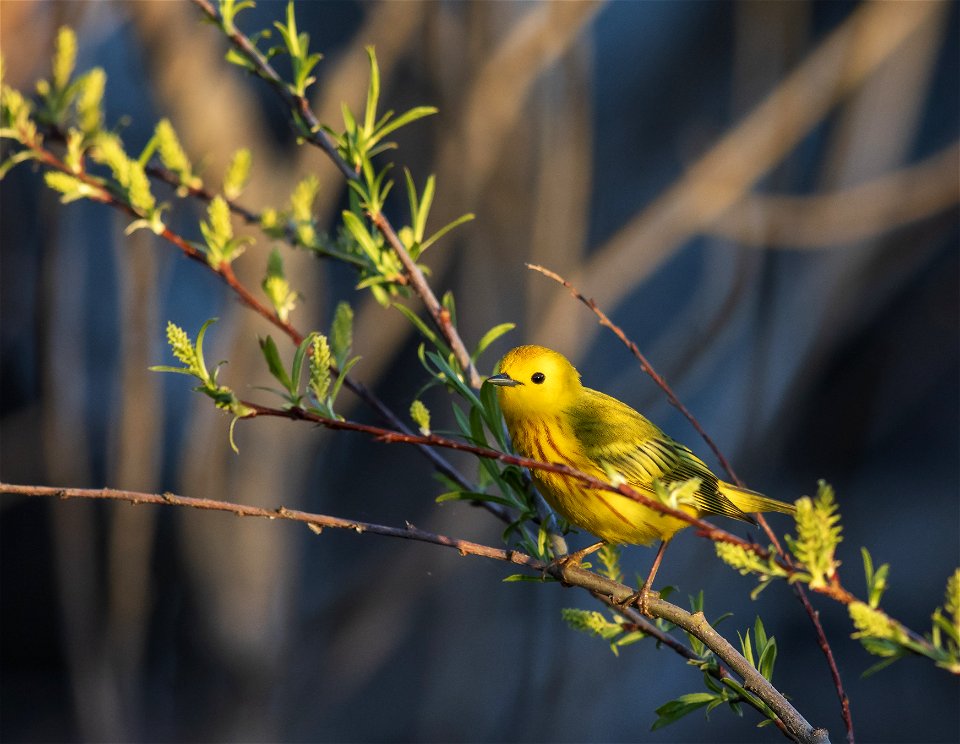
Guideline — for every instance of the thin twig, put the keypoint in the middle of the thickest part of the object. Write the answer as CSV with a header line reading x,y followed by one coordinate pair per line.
x,y
644,364
795,725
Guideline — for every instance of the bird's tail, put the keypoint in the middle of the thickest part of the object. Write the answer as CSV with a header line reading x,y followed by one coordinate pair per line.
x,y
751,501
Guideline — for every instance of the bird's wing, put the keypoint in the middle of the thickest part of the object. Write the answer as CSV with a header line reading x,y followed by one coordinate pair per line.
x,y
620,440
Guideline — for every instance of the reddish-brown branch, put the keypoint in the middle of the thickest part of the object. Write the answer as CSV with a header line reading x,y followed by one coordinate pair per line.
x,y
704,528
438,313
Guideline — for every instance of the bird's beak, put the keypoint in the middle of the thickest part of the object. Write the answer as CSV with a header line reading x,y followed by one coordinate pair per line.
x,y
503,380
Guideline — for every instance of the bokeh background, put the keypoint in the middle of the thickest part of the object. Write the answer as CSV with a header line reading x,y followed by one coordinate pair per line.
x,y
763,194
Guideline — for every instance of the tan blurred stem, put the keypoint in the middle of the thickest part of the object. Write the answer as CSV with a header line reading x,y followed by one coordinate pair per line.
x,y
846,215
796,726
727,172
134,461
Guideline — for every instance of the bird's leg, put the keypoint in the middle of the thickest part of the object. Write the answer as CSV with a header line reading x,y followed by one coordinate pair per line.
x,y
573,559
641,596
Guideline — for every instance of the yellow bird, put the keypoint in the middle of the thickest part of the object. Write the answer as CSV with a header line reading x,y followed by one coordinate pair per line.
x,y
552,417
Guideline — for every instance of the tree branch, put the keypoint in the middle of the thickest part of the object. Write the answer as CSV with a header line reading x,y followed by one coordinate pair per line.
x,y
316,136
795,725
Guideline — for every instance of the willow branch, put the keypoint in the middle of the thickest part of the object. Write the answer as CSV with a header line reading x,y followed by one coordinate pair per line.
x,y
317,137
102,193
795,725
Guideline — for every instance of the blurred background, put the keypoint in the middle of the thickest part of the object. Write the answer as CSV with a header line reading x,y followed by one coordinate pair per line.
x,y
763,194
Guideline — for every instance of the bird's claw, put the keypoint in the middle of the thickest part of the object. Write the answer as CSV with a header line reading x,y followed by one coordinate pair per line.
x,y
569,560
641,598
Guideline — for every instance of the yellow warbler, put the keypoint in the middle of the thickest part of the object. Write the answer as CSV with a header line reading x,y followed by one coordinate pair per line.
x,y
552,417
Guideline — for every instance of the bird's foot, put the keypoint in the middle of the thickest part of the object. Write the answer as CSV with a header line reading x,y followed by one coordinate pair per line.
x,y
571,559
641,598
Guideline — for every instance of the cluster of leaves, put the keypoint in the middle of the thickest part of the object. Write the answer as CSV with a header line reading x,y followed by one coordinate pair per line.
x,y
190,355
885,637
97,166
721,689
328,360
481,423
361,140
819,533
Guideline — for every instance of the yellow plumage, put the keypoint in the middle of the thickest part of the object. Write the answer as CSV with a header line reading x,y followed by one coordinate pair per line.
x,y
552,417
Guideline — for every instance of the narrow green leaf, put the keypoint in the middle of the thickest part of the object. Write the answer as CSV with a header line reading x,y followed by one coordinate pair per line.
x,y
768,659
490,336
361,234
525,577
405,118
272,355
461,495
425,330
759,634
373,95
444,230
200,334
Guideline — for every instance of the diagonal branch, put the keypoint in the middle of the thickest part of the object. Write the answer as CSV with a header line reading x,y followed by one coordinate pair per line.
x,y
316,136
644,364
793,723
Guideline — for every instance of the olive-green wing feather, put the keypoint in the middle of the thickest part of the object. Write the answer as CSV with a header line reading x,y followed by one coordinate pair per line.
x,y
620,440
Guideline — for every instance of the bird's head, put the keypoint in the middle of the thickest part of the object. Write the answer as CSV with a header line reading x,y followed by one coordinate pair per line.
x,y
533,381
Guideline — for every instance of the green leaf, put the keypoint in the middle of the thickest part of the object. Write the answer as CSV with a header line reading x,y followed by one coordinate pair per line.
x,y
373,93
425,330
298,359
269,348
489,337
341,332
341,378
362,235
418,112
876,579
674,710
238,173
464,495
759,634
526,577
444,230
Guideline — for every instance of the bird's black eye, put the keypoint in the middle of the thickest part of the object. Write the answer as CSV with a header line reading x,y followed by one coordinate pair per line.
x,y
537,378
